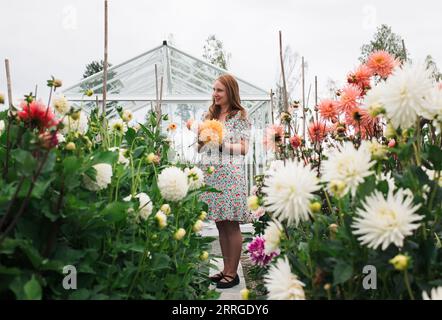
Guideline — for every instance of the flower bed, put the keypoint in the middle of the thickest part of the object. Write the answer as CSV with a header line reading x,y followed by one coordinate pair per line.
x,y
354,212
93,209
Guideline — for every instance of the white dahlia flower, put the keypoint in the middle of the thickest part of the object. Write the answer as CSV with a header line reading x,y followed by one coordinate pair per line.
x,y
61,105
348,165
436,294
289,191
195,177
282,284
102,179
406,93
173,184
385,221
272,236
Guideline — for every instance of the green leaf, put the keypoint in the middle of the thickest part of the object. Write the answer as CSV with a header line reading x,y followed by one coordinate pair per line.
x,y
32,289
366,188
71,165
160,261
26,163
108,157
50,163
40,188
139,151
130,135
435,157
342,272
115,212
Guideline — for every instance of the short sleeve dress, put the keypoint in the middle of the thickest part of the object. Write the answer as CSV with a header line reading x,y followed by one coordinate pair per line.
x,y
229,177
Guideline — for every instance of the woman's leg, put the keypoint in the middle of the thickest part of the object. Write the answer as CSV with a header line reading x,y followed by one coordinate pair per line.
x,y
223,241
231,246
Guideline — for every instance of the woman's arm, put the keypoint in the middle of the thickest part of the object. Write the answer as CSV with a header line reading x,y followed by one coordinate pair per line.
x,y
236,148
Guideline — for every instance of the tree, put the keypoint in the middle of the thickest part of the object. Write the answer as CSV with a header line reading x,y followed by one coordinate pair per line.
x,y
215,53
93,68
384,39
431,65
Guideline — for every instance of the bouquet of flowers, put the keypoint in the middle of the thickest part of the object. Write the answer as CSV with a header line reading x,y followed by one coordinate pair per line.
x,y
211,132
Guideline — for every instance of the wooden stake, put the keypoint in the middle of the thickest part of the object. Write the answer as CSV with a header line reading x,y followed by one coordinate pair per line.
x,y
160,113
303,99
156,90
105,56
316,98
8,80
286,102
9,84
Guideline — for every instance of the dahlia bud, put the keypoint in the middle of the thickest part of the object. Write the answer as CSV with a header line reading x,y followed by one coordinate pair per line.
x,y
57,83
150,158
204,256
70,146
315,207
203,215
162,219
400,262
245,294
127,116
89,92
179,234
198,226
165,208
333,229
337,187
2,98
391,143
75,116
253,203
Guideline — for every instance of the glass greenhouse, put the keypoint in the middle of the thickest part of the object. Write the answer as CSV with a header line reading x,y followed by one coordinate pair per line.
x,y
186,94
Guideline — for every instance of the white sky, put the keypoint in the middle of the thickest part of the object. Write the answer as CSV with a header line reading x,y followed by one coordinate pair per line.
x,y
59,37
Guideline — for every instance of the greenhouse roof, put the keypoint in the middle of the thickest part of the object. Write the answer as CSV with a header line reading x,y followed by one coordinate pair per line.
x,y
186,79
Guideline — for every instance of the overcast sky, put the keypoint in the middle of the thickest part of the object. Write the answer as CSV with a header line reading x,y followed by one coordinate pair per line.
x,y
59,37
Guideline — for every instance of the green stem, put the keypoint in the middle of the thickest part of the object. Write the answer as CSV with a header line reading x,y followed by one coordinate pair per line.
x,y
328,201
407,284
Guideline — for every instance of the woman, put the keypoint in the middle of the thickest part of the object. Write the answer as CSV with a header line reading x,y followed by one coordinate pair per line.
x,y
229,207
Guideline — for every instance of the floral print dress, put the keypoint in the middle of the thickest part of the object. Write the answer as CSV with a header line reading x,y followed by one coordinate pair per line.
x,y
229,176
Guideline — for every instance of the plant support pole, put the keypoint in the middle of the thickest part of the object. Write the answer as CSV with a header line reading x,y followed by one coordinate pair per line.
x,y
105,56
